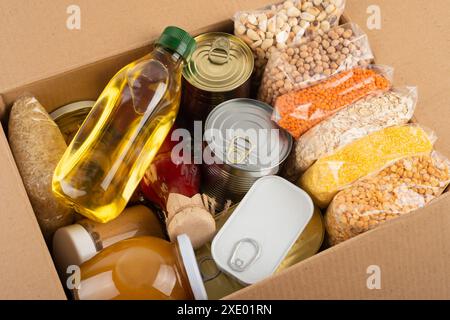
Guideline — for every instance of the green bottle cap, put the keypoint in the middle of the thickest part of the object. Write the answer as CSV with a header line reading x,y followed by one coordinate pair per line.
x,y
178,40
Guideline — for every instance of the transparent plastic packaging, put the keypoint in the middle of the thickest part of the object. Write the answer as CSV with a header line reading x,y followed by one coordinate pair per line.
x,y
299,111
319,56
408,184
370,154
374,113
281,25
37,145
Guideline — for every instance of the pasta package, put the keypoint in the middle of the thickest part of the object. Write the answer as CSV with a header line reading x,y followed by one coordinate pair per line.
x,y
299,111
374,113
329,175
408,184
37,145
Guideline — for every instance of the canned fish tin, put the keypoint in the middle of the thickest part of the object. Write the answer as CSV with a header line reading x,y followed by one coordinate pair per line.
x,y
244,145
69,118
219,284
273,206
219,70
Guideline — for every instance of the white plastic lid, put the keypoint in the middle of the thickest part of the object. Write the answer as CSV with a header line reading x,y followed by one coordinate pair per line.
x,y
191,267
72,245
262,229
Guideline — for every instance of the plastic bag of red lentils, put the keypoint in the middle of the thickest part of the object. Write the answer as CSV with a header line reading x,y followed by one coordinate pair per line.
x,y
300,110
319,56
404,186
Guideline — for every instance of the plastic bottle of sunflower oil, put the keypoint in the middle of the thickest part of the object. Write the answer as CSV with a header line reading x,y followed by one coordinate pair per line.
x,y
117,142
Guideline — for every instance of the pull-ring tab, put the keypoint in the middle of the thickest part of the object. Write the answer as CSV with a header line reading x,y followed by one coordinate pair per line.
x,y
220,51
208,277
244,254
239,149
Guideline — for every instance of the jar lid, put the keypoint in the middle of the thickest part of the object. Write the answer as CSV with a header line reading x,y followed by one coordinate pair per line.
x,y
241,134
221,63
262,229
191,267
72,245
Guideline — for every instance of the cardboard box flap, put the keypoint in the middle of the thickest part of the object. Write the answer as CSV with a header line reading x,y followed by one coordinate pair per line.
x,y
41,39
27,270
414,39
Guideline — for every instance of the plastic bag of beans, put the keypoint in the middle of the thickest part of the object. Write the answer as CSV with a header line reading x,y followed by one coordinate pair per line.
x,y
368,115
330,174
299,111
280,25
318,57
408,184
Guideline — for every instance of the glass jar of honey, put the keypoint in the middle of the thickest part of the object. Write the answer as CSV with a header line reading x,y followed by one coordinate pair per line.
x,y
77,243
143,268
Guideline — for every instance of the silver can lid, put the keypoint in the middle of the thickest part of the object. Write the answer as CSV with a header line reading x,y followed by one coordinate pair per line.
x,y
241,134
259,234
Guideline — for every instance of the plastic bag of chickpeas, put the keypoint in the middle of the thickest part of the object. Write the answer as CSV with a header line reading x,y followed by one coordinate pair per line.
x,y
317,57
402,187
281,25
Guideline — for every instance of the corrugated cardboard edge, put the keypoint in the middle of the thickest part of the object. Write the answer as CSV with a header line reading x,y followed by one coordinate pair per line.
x,y
63,48
343,272
2,108
38,280
92,83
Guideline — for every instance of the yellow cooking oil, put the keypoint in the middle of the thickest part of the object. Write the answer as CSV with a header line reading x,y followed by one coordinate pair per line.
x,y
110,153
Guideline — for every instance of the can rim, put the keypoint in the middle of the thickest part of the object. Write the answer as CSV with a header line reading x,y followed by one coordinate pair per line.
x,y
235,167
238,84
71,107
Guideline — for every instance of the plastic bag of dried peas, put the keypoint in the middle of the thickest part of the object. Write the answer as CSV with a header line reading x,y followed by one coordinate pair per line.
x,y
299,111
408,184
331,174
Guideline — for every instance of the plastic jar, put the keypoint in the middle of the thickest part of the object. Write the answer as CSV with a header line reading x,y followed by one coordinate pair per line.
x,y
77,243
144,268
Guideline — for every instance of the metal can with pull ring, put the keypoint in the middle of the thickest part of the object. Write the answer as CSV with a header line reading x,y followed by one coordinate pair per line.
x,y
219,70
247,145
218,282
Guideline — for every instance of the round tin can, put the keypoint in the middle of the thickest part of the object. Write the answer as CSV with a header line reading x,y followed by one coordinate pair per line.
x,y
219,70
69,118
243,144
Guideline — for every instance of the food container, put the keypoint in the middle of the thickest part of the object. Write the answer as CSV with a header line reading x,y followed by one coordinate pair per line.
x,y
69,118
77,243
218,284
258,236
245,144
219,70
142,268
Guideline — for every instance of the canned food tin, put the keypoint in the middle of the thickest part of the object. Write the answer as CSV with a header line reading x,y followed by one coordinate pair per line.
x,y
273,206
218,284
69,118
219,70
245,145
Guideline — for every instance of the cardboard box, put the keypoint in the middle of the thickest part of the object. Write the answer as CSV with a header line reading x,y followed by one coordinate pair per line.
x,y
59,66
